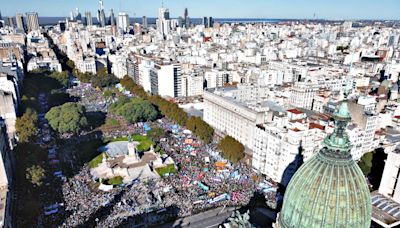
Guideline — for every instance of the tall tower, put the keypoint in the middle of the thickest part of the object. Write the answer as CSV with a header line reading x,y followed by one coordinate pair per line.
x,y
123,22
144,22
186,18
19,18
78,15
10,22
102,16
329,190
32,21
88,18
111,20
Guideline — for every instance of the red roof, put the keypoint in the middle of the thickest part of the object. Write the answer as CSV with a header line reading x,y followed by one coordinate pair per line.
x,y
295,111
315,125
296,129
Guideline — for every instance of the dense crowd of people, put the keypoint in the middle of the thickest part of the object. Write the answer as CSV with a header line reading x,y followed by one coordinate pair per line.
x,y
90,97
193,189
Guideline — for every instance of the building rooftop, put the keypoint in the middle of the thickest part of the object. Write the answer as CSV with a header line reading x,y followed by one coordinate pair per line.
x,y
385,211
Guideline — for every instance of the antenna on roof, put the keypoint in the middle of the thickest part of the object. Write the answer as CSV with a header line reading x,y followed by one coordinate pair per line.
x,y
162,3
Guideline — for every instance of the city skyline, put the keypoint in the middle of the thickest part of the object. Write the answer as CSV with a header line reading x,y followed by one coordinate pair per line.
x,y
314,9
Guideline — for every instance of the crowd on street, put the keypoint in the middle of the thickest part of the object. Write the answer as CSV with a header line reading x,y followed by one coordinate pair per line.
x,y
90,97
204,180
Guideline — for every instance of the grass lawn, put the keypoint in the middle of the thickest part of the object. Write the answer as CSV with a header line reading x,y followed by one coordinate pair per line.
x,y
88,150
112,122
145,142
167,169
97,160
114,181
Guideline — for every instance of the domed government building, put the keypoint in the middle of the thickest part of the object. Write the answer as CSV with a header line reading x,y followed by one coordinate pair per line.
x,y
329,190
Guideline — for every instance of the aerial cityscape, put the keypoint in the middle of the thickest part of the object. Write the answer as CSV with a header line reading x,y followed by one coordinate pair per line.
x,y
201,114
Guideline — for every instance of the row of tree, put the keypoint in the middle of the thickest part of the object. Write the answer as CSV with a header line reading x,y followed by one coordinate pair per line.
x,y
171,110
231,149
100,80
134,109
27,125
200,128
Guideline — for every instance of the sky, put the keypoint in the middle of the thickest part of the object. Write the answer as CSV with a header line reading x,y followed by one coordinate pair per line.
x,y
281,9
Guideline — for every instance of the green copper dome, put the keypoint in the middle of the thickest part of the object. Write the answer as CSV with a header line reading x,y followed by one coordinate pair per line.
x,y
329,190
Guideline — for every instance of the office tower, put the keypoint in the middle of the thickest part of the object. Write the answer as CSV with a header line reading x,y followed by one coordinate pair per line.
x,y
205,22
10,22
102,16
180,21
98,16
111,20
123,22
78,15
71,16
32,21
163,22
163,14
144,22
1,17
88,18
186,18
210,22
20,21
61,26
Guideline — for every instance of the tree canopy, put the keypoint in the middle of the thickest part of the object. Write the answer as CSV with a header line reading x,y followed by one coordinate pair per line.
x,y
200,128
67,118
35,174
231,149
365,163
134,110
26,125
101,79
61,77
171,110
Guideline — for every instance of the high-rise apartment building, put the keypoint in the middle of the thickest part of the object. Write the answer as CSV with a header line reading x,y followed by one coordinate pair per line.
x,y
144,22
186,18
166,80
32,21
20,21
88,18
205,22
10,22
101,15
123,22
111,20
210,22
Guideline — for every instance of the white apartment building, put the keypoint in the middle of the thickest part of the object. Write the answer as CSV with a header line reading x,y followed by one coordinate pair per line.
x,y
390,186
231,117
216,78
87,65
278,144
192,85
367,121
8,112
44,63
123,22
302,94
166,80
